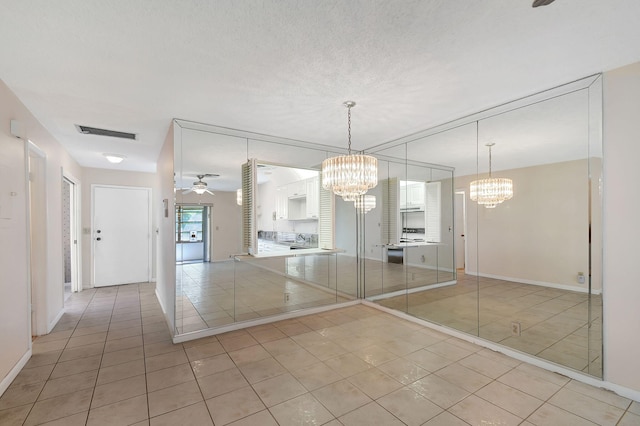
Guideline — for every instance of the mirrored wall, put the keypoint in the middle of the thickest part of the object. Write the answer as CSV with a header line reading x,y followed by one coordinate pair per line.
x,y
524,272
217,285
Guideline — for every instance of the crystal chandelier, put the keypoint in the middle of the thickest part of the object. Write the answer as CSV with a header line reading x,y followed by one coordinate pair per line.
x,y
365,203
352,175
492,191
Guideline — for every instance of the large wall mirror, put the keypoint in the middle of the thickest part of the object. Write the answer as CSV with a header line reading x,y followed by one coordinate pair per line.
x,y
524,273
217,286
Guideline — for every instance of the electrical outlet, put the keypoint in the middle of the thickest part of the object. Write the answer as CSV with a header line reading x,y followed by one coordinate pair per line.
x,y
286,297
423,258
581,278
516,328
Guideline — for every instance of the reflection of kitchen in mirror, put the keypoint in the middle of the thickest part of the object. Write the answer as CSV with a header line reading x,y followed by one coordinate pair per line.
x,y
417,198
287,209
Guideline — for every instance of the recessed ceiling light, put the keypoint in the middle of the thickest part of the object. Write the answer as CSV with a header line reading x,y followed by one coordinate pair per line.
x,y
114,158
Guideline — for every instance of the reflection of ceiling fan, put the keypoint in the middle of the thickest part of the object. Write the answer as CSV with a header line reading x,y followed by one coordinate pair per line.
x,y
200,187
537,3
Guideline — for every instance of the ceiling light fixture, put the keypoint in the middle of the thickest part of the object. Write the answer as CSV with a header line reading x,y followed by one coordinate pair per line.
x,y
114,158
352,175
492,191
365,203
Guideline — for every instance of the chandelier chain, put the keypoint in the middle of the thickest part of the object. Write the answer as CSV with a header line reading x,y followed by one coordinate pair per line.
x,y
349,126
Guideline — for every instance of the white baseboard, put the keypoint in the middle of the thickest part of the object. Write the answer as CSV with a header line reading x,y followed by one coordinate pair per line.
x,y
4,384
412,290
164,312
534,282
55,321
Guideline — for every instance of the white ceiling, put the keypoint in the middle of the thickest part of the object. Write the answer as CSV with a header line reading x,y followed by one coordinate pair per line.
x,y
284,67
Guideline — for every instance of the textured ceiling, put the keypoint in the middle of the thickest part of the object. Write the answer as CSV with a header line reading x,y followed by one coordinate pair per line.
x,y
284,67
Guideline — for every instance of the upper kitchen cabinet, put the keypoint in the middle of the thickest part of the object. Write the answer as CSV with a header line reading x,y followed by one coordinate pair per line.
x,y
313,197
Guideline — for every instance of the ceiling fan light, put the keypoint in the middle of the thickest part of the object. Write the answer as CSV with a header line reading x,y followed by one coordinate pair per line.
x,y
114,158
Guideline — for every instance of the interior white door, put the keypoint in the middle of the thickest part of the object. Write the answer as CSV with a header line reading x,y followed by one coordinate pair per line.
x,y
121,235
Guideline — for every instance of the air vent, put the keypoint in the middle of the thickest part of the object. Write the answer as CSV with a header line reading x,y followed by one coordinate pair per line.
x,y
86,130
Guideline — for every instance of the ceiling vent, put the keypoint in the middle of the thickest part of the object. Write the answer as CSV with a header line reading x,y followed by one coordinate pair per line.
x,y
86,130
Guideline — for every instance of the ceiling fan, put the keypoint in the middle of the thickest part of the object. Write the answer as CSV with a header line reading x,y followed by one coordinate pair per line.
x,y
200,186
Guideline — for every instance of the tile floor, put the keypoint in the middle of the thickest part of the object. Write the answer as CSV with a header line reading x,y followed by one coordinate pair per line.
x,y
110,360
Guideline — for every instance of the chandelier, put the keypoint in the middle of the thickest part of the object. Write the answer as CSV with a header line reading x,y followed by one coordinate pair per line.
x,y
492,191
352,175
365,203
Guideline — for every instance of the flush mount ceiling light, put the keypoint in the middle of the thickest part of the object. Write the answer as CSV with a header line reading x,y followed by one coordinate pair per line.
x,y
492,191
114,158
352,175
365,203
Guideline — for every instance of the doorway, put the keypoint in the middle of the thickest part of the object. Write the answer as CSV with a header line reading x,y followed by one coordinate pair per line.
x,y
193,225
70,233
36,178
461,230
121,234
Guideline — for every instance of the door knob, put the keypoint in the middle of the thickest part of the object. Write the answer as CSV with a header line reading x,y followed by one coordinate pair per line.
x,y
98,231
98,239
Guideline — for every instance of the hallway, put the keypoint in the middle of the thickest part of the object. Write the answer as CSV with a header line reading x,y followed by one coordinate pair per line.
x,y
110,360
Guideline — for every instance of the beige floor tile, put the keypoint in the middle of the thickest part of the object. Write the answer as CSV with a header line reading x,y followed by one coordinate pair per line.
x,y
409,406
69,384
347,365
120,357
160,348
404,371
297,359
629,419
90,330
374,355
249,354
439,391
510,399
587,407
551,415
118,391
87,339
363,416
58,407
635,407
170,359
14,416
55,345
446,419
238,342
449,350
124,332
302,410
428,360
17,395
278,389
33,375
212,365
600,394
234,406
341,397
527,383
463,377
192,415
262,370
76,366
56,335
204,351
267,335
325,350
485,366
316,376
125,412
125,343
169,399
475,411
281,346
120,371
261,418
168,377
221,383
374,383
79,419
81,352
45,358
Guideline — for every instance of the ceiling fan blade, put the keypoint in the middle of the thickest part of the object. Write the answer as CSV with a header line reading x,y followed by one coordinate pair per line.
x,y
188,191
206,190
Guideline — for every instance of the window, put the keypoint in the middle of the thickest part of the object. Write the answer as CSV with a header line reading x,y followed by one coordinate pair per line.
x,y
189,225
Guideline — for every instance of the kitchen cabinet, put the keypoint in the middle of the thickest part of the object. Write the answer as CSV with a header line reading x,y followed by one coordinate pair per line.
x,y
297,189
313,197
412,195
282,203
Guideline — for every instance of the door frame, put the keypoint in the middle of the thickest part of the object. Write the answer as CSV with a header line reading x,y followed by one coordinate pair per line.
x,y
76,232
37,290
462,192
149,230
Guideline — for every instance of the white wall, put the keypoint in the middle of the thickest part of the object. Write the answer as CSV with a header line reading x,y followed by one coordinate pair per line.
x,y
525,240
165,230
93,176
14,284
621,235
